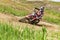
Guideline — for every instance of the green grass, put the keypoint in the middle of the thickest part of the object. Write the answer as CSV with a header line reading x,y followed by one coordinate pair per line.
x,y
58,35
54,35
9,9
7,32
51,12
52,16
52,20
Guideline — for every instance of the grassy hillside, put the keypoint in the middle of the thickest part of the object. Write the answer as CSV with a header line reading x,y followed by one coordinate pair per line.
x,y
21,8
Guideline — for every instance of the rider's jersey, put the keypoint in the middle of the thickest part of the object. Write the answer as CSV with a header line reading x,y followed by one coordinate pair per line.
x,y
35,15
38,16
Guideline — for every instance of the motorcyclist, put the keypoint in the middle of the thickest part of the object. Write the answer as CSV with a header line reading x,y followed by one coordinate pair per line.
x,y
37,14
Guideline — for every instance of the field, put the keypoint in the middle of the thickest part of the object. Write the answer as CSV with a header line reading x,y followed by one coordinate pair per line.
x,y
10,29
7,32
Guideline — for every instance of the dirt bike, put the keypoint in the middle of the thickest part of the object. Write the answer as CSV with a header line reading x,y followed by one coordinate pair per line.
x,y
30,20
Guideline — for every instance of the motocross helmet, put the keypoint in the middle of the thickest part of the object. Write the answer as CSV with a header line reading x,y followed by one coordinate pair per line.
x,y
41,8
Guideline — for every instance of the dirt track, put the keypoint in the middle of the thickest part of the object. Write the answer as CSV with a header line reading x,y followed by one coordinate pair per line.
x,y
14,20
